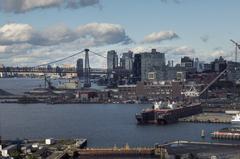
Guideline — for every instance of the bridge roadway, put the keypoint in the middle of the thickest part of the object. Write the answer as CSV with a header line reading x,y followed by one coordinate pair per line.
x,y
47,70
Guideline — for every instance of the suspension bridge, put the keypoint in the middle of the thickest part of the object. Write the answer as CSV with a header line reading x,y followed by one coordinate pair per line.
x,y
44,68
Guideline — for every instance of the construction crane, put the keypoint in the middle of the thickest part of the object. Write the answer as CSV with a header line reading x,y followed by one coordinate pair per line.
x,y
237,46
192,92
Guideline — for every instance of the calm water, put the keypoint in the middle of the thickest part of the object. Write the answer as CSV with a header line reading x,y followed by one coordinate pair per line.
x,y
102,125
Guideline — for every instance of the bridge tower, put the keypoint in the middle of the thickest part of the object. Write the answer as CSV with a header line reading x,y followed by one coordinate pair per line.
x,y
87,82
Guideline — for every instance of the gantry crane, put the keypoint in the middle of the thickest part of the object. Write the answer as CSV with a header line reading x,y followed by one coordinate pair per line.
x,y
237,46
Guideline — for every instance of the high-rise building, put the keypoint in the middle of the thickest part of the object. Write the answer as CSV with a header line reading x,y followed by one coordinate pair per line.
x,y
187,62
153,62
80,68
218,65
199,65
112,60
137,68
127,61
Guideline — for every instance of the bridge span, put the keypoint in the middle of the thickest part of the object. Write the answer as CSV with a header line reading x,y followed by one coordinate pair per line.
x,y
49,70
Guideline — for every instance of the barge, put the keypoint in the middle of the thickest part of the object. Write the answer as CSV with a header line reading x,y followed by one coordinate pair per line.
x,y
163,113
232,133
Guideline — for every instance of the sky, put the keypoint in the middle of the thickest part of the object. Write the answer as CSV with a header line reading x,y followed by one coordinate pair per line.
x,y
36,32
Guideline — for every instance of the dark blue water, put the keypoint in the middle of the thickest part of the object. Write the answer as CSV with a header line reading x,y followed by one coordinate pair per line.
x,y
102,125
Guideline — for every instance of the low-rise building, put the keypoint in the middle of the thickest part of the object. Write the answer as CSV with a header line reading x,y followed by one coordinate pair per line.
x,y
49,141
7,150
127,92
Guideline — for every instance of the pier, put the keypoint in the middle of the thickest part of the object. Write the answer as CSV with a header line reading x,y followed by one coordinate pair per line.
x,y
208,118
191,149
130,152
65,149
227,133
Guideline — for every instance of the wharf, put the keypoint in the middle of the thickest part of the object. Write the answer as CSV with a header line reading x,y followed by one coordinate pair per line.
x,y
227,133
208,118
116,152
202,149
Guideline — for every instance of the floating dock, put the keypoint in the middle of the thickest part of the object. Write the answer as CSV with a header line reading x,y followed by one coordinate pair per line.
x,y
227,133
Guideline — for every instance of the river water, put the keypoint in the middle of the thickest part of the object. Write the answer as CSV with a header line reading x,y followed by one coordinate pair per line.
x,y
104,125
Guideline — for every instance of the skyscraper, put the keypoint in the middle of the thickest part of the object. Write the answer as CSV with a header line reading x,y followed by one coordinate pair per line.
x,y
80,68
153,62
112,60
127,60
137,68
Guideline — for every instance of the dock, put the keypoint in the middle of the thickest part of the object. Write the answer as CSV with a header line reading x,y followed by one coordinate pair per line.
x,y
130,152
227,134
191,149
220,118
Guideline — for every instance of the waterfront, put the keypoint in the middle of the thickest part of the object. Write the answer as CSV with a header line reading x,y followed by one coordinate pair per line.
x,y
102,124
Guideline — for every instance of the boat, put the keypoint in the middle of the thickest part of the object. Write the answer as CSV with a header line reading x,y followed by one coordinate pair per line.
x,y
163,113
236,119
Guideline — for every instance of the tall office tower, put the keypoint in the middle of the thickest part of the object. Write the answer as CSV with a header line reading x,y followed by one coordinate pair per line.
x,y
137,68
153,62
127,61
80,68
112,60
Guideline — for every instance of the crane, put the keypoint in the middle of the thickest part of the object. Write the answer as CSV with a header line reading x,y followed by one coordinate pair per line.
x,y
237,46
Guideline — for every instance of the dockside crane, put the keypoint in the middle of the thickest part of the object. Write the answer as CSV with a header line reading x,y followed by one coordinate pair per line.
x,y
237,46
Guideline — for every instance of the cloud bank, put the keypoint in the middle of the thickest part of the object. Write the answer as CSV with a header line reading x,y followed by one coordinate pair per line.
x,y
21,6
157,37
93,34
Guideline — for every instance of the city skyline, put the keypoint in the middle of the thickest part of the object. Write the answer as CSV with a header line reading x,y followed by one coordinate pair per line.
x,y
35,32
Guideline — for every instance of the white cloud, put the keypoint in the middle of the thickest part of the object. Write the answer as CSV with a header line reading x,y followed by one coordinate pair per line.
x,y
170,50
75,4
20,60
93,34
2,48
54,35
157,37
15,33
21,6
182,51
103,33
217,53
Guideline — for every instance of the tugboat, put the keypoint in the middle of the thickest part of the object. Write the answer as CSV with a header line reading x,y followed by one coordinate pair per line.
x,y
236,119
163,113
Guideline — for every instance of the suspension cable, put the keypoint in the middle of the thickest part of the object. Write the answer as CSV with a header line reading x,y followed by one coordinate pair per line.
x,y
59,60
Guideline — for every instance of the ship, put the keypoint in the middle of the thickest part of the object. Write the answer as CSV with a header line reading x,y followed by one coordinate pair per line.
x,y
236,119
163,113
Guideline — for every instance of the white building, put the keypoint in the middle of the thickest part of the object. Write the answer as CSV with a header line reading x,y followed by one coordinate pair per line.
x,y
1,73
49,141
7,150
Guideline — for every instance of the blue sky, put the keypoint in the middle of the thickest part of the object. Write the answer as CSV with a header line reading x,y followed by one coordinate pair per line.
x,y
202,28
